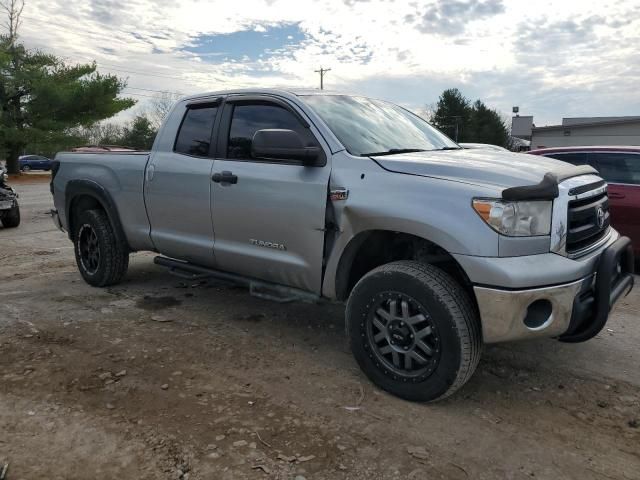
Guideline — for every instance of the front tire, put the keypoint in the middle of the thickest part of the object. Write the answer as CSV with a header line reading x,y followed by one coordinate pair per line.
x,y
11,218
414,330
101,258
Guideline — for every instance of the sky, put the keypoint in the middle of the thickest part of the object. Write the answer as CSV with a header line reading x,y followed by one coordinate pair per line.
x,y
553,59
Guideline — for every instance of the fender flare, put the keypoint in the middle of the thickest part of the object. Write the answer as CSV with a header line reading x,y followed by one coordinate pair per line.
x,y
76,188
347,256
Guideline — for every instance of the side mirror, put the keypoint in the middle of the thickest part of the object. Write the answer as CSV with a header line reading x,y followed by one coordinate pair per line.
x,y
284,145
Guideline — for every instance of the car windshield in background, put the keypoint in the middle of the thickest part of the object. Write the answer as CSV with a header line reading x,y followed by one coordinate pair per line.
x,y
373,127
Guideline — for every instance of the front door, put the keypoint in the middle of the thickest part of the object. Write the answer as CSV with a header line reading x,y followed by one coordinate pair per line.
x,y
270,224
178,189
621,170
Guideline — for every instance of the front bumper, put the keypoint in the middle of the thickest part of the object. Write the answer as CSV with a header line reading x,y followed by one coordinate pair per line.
x,y
573,312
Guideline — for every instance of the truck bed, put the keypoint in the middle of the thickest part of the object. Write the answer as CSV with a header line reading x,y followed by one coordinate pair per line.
x,y
119,173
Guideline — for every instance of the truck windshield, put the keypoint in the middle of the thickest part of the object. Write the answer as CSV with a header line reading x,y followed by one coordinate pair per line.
x,y
372,127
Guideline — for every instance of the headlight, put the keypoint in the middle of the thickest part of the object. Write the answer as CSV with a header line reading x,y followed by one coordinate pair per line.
x,y
515,219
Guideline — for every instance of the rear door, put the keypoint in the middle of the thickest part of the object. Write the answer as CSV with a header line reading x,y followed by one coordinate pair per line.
x,y
622,172
270,224
42,162
178,188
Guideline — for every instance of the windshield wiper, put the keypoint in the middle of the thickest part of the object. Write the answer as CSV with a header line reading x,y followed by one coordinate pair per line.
x,y
450,148
393,151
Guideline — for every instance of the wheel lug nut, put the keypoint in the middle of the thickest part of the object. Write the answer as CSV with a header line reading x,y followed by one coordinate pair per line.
x,y
411,336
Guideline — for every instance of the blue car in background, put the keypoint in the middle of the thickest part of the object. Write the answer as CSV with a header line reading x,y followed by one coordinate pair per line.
x,y
34,162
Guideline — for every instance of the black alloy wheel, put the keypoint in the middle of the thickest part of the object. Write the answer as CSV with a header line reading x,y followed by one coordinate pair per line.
x,y
89,249
403,337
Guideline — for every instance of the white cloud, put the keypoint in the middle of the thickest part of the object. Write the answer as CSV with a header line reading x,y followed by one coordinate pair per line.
x,y
584,51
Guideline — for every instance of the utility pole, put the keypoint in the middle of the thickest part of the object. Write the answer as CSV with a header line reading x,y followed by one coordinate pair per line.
x,y
457,119
322,71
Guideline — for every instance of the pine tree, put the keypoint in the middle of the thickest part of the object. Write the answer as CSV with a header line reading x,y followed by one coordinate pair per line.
x,y
453,114
487,126
466,122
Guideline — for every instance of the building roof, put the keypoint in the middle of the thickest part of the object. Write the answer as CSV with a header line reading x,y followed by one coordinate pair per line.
x,y
571,121
619,121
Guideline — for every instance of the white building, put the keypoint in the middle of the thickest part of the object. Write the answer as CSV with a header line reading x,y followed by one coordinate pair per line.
x,y
586,131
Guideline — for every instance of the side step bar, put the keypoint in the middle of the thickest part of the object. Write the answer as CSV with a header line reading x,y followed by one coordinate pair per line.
x,y
257,288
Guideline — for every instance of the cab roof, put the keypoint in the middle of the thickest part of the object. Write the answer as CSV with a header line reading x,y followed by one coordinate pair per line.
x,y
282,92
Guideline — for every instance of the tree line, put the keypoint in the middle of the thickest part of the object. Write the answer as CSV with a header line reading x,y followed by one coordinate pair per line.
x,y
138,133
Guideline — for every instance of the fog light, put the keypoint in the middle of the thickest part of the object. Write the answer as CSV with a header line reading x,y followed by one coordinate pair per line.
x,y
538,313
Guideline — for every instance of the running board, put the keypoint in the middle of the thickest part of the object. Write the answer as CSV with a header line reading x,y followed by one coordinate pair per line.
x,y
257,288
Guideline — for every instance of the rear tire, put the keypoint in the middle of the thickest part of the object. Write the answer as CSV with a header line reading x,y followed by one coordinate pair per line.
x,y
101,258
11,218
414,330
26,168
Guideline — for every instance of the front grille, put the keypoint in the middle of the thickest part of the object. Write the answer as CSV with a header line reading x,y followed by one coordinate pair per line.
x,y
588,221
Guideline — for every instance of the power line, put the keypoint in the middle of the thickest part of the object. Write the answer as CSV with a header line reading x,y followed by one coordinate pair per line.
x,y
138,94
118,69
156,91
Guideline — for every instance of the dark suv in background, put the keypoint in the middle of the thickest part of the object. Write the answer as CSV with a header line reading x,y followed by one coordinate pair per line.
x,y
34,162
620,167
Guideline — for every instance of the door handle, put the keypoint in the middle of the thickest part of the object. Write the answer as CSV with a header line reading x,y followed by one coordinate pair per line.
x,y
225,178
616,195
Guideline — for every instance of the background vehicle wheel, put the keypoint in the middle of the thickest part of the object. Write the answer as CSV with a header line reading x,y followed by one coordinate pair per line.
x,y
413,330
101,258
26,168
11,218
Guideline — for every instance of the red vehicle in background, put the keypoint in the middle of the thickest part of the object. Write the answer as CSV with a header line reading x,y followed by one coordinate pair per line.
x,y
620,167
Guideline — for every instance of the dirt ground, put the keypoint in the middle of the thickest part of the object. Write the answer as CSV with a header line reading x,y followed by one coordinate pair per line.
x,y
161,379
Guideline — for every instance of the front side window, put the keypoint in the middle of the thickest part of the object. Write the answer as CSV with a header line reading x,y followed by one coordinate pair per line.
x,y
618,167
248,118
194,137
366,126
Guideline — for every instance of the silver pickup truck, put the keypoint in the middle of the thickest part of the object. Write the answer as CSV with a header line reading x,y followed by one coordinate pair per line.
x,y
436,250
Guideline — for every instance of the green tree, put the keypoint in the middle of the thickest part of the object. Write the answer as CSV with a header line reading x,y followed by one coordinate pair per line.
x,y
139,134
487,126
466,122
453,114
42,99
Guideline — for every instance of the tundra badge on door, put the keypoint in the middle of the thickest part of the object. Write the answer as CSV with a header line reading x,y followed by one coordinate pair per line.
x,y
262,243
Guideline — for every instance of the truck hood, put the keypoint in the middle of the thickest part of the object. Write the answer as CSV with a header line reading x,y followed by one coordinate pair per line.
x,y
479,167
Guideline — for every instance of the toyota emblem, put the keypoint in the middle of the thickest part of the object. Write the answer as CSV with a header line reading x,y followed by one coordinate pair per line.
x,y
600,216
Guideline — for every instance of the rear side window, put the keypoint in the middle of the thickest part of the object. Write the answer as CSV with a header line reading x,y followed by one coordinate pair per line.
x,y
617,167
575,158
247,119
194,137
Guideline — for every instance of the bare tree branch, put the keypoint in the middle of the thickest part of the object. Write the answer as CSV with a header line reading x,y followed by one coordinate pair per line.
x,y
160,107
13,10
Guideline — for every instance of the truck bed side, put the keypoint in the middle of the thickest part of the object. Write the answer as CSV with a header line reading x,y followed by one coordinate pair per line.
x,y
120,175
